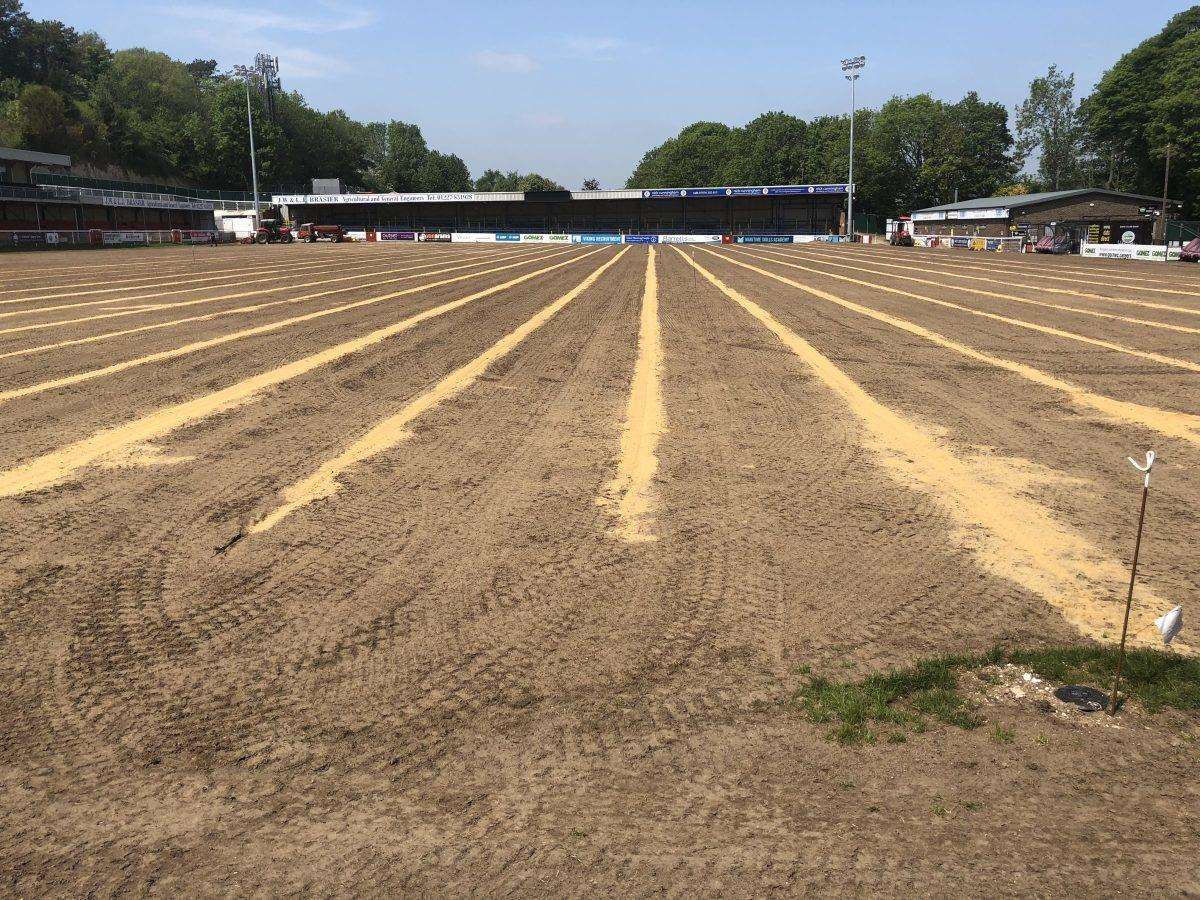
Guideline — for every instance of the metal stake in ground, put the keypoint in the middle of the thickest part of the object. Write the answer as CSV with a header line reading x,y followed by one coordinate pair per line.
x,y
1137,547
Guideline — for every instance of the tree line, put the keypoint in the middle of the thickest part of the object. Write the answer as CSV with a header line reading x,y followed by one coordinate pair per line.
x,y
157,118
919,151
66,91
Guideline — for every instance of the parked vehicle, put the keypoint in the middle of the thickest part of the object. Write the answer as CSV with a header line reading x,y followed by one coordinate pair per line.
x,y
1058,244
901,238
272,229
311,233
1190,251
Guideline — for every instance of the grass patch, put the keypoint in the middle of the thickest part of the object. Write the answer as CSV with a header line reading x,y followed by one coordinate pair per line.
x,y
1155,679
896,703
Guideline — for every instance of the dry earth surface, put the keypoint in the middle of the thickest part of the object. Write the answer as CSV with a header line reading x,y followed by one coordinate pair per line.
x,y
492,570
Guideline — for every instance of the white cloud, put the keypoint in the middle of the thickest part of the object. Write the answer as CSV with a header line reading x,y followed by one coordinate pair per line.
x,y
494,61
595,49
240,33
250,19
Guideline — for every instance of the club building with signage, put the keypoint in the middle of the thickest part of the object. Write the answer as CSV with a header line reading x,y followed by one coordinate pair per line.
x,y
1090,215
795,209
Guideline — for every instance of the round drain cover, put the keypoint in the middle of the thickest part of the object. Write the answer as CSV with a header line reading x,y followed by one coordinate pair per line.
x,y
1087,699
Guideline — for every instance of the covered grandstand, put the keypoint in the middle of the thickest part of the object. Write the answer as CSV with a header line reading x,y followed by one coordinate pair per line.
x,y
799,209
43,210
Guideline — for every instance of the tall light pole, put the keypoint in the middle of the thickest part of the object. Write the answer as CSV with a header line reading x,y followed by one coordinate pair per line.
x,y
851,67
246,74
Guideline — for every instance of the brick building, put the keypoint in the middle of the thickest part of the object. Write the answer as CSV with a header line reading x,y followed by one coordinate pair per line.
x,y
1094,214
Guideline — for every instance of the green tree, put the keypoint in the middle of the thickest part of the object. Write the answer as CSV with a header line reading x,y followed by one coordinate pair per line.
x,y
405,156
979,145
591,184
443,172
1147,100
142,98
769,150
698,156
1048,123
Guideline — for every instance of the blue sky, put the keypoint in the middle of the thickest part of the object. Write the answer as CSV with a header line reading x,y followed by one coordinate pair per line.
x,y
579,90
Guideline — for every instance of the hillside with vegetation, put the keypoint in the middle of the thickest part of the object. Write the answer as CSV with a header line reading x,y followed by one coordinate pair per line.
x,y
157,118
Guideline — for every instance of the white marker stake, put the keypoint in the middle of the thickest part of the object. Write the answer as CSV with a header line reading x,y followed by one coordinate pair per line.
x,y
1137,547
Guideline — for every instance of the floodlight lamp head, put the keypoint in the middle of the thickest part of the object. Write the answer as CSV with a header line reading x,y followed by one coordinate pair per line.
x,y
853,63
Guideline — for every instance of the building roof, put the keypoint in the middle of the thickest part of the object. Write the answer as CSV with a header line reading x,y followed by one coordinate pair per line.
x,y
773,190
1018,200
35,157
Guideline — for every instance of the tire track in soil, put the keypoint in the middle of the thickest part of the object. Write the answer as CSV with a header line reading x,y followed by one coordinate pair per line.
x,y
194,346
143,310
84,420
143,646
1075,278
1070,464
512,795
884,270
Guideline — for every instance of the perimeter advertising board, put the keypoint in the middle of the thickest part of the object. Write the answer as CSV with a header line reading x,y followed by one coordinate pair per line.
x,y
1153,252
689,238
787,190
595,238
396,235
764,238
641,238
546,238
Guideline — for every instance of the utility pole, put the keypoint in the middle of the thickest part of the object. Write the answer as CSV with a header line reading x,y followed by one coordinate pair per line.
x,y
1166,181
246,74
851,67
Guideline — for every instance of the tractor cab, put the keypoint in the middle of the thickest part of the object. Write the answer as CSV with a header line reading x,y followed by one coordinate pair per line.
x,y
899,231
272,229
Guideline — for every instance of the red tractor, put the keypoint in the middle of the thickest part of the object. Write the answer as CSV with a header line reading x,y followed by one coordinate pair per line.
x,y
272,229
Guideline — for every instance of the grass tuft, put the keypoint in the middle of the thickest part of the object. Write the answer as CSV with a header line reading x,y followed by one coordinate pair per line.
x,y
908,700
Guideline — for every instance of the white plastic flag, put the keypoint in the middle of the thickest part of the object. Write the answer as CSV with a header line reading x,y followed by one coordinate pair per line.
x,y
1170,624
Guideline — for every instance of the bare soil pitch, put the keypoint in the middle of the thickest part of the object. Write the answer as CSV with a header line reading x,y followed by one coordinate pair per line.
x,y
458,675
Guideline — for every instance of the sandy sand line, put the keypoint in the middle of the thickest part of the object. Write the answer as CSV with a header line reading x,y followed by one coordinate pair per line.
x,y
204,262
1007,320
116,282
289,272
51,468
394,429
821,259
1011,535
1184,426
1074,279
933,268
41,348
365,273
173,281
195,346
628,495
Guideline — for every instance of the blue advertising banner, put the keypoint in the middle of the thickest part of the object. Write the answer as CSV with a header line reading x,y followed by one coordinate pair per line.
x,y
596,238
961,243
764,238
507,236
786,190
641,238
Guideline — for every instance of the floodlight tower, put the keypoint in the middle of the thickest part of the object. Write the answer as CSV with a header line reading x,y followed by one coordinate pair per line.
x,y
851,67
247,75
